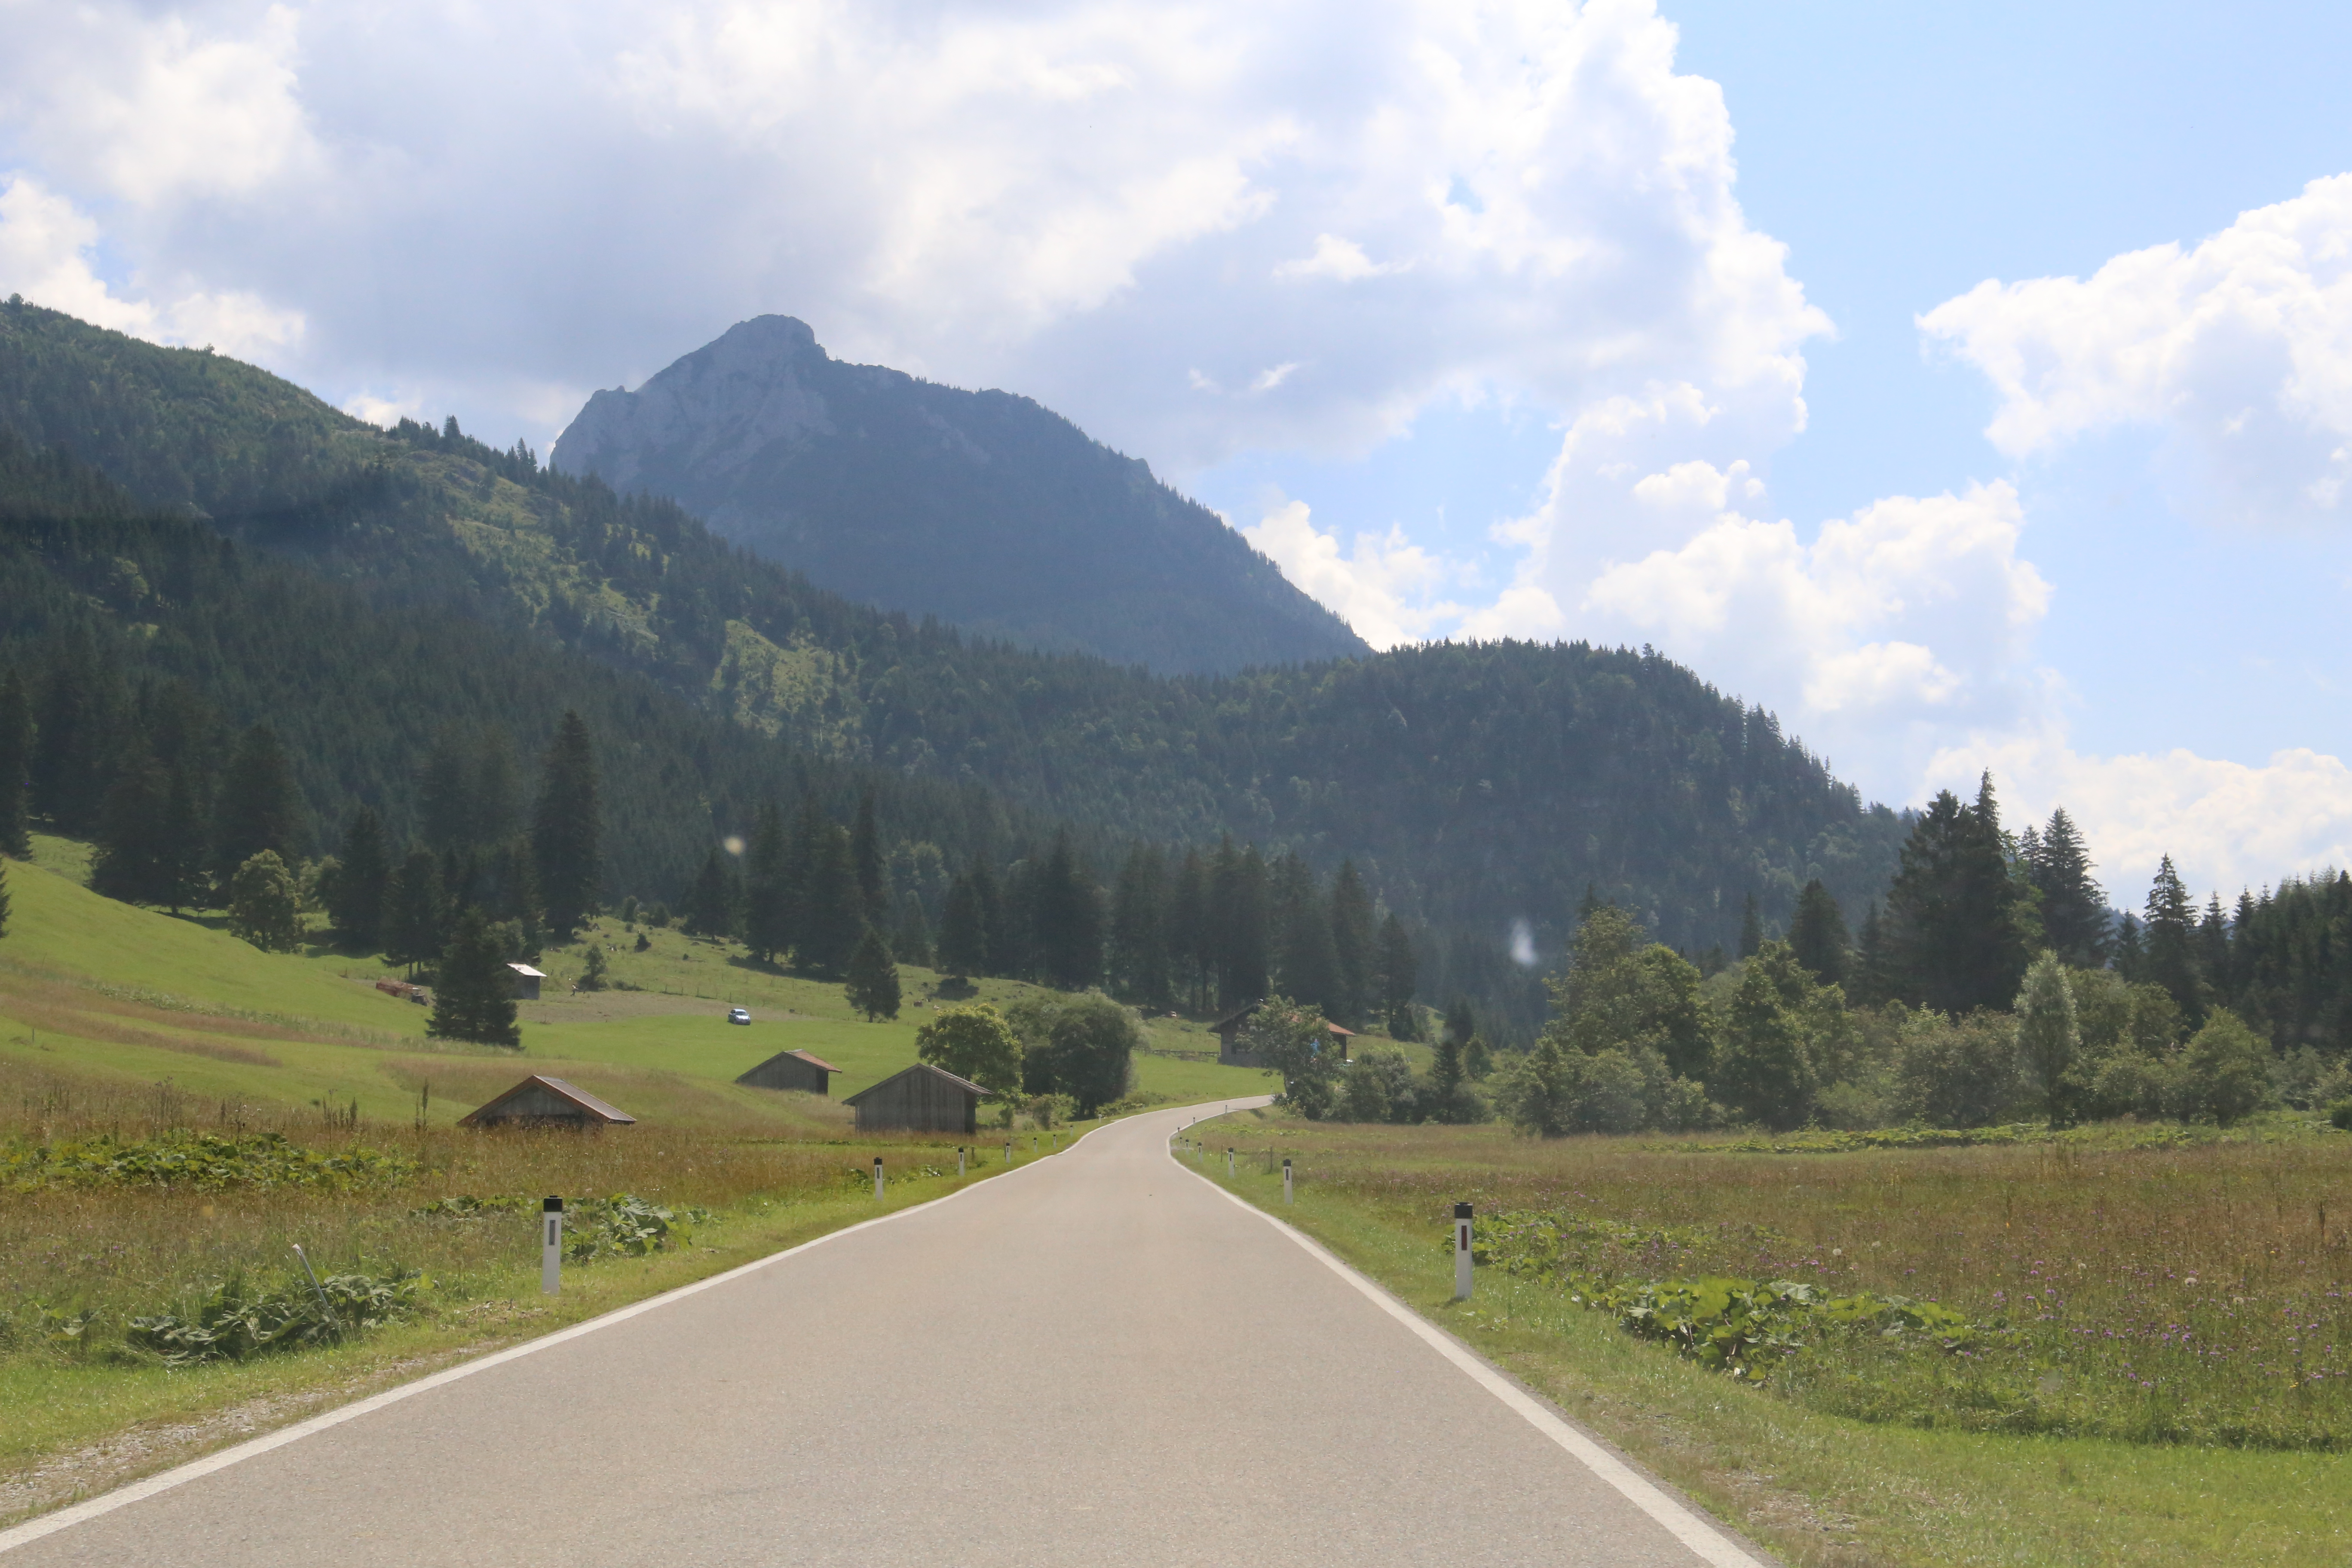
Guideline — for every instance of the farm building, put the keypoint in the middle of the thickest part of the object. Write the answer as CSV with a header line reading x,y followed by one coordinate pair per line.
x,y
539,1101
1228,1031
526,982
792,1070
923,1099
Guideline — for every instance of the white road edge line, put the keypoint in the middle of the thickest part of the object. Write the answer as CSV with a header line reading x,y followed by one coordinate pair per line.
x,y
48,1524
1711,1545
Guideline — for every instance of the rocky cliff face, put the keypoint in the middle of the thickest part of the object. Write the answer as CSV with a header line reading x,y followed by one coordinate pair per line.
x,y
982,508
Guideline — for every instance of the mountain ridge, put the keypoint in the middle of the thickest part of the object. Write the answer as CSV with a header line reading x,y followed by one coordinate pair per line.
x,y
984,507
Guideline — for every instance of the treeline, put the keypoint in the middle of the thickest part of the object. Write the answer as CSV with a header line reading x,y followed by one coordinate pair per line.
x,y
1992,985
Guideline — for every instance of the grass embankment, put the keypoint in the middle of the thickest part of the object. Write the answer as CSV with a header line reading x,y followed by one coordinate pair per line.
x,y
120,1025
2156,1370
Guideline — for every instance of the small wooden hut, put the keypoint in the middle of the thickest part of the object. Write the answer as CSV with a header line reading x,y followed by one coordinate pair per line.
x,y
792,1070
1228,1031
923,1099
526,982
539,1101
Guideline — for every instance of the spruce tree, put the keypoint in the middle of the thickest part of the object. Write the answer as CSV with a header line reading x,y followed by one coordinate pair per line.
x,y
912,942
865,854
4,898
415,913
1138,928
180,841
1398,978
566,831
15,765
1068,920
1238,920
2074,917
1751,928
131,861
258,807
2169,942
366,871
964,930
873,978
1355,956
766,897
1817,934
1306,963
1959,925
77,722
473,994
1189,957
2213,952
1460,1024
711,905
834,920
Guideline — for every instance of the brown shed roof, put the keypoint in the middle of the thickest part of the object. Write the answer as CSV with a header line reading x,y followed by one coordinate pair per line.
x,y
919,1067
562,1091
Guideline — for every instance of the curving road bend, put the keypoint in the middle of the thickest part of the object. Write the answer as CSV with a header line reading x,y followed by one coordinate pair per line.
x,y
1100,1359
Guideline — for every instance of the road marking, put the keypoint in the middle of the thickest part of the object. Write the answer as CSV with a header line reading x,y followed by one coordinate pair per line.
x,y
1711,1545
48,1524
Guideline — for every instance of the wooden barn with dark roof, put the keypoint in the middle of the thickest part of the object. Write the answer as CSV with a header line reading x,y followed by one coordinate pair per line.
x,y
539,1101
923,1099
792,1070
1228,1030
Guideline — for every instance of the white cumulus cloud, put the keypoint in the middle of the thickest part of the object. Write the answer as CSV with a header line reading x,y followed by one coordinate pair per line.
x,y
1383,586
2237,349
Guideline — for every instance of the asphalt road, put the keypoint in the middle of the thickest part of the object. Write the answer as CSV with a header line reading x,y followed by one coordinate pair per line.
x,y
1099,1358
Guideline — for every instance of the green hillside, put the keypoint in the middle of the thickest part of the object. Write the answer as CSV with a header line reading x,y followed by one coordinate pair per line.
x,y
106,995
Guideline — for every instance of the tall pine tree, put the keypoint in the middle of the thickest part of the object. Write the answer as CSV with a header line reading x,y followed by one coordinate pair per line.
x,y
1958,927
964,930
865,854
567,829
15,765
2169,942
1399,978
258,808
1068,919
473,994
1138,928
1354,949
2075,919
364,870
711,905
1817,934
767,896
834,920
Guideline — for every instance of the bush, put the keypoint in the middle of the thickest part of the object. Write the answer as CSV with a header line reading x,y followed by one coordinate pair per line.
x,y
2340,1113
1958,1072
2224,1071
264,906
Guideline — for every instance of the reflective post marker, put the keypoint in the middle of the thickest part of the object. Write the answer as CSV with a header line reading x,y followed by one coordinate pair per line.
x,y
1461,1252
1285,1179
550,1258
877,1178
1229,1162
959,1158
1008,1151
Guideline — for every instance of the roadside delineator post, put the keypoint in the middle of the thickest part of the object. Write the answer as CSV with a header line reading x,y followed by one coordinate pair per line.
x,y
551,1256
1008,1151
959,1158
877,1178
1285,1179
1461,1252
1229,1162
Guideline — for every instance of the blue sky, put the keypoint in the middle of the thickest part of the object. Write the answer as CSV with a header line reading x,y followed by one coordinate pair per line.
x,y
1523,319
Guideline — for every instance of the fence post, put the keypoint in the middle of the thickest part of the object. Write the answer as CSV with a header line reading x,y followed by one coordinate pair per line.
x,y
551,1256
877,1178
1461,1252
1286,1178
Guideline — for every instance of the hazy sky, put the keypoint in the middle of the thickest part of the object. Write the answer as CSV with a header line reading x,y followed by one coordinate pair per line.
x,y
1971,386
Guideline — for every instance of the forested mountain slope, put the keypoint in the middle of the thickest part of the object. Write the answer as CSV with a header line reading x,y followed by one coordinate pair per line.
x,y
980,508
1476,786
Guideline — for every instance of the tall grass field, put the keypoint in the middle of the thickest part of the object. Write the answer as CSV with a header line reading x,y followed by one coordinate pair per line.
x,y
2122,1343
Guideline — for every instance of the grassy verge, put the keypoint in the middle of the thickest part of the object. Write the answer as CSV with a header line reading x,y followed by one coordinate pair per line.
x,y
1821,1487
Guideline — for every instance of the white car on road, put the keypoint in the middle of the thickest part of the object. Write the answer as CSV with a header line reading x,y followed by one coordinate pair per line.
x,y
739,1014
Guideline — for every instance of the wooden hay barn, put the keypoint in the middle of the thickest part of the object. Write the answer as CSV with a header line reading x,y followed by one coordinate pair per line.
x,y
526,982
792,1070
923,1099
539,1101
1228,1031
